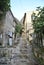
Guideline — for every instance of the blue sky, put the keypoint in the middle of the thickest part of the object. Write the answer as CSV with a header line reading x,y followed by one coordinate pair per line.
x,y
19,7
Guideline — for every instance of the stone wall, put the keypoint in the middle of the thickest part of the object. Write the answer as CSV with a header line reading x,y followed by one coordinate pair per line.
x,y
7,28
7,52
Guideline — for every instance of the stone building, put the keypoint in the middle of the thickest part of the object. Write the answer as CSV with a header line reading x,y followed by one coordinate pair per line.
x,y
26,22
7,29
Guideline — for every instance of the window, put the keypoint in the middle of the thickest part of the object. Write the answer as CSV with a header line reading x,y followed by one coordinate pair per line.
x,y
10,33
1,35
1,39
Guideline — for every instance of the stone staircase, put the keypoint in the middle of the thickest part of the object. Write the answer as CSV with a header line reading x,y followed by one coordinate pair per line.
x,y
20,55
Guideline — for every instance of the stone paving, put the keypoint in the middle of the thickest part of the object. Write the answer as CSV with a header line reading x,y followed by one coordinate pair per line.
x,y
22,54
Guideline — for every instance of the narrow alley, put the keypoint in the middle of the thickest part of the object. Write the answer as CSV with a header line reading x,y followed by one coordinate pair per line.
x,y
22,54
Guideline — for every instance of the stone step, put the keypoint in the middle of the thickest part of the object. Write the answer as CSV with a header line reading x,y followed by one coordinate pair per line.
x,y
22,60
23,49
20,54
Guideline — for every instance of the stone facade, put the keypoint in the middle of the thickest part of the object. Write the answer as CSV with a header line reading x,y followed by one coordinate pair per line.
x,y
26,22
7,28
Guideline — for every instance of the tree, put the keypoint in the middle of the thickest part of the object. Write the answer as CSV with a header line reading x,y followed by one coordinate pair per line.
x,y
18,29
4,7
38,25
